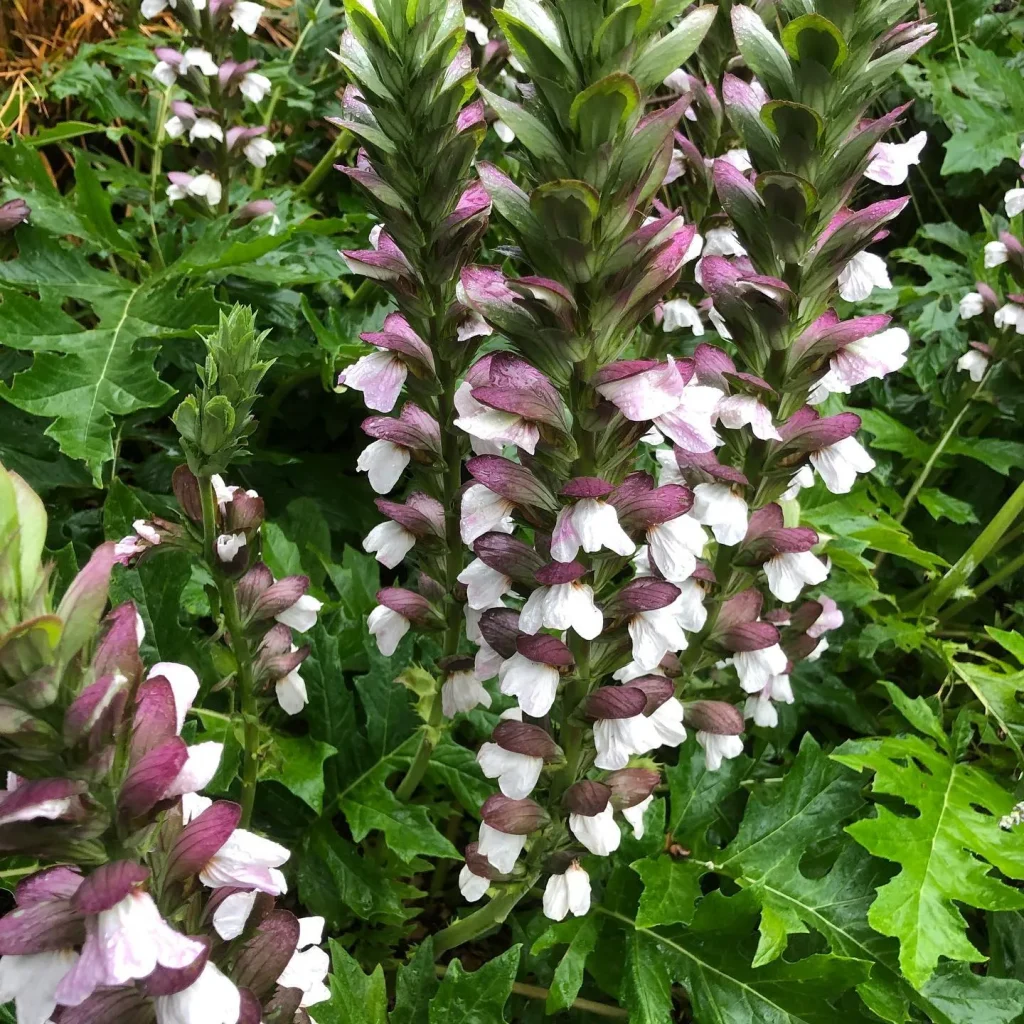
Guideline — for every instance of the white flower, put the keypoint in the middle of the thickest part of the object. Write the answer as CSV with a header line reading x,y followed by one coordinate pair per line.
x,y
635,815
388,628
666,721
229,544
151,8
591,524
803,477
760,706
1010,315
597,832
200,59
247,861
379,375
500,848
463,691
617,739
199,768
517,774
184,685
788,571
568,893
254,86
207,187
739,158
473,887
656,633
996,253
30,981
839,464
246,16
690,423
291,692
166,74
483,511
679,313
232,913
862,275
174,127
737,411
259,151
676,545
723,242
493,425
532,683
477,29
211,999
891,161
125,943
1014,200
971,305
717,506
389,542
504,132
309,964
974,363
718,322
383,462
875,356
689,605
718,747
562,606
206,128
484,585
756,668
301,616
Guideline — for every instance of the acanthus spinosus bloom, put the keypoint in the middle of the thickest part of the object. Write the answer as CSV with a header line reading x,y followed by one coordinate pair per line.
x,y
476,875
590,523
592,817
567,893
381,374
891,161
532,673
462,689
505,828
516,756
719,730
621,729
562,602
974,362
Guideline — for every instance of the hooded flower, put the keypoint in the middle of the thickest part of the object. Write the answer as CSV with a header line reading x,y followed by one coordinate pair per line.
x,y
592,817
211,999
972,305
462,689
866,358
720,507
505,827
761,705
756,668
718,748
678,314
567,893
309,964
621,729
838,464
531,674
789,571
562,602
891,161
736,411
246,15
483,511
30,981
862,275
590,523
516,757
719,727
974,364
379,376
1010,315
301,616
476,875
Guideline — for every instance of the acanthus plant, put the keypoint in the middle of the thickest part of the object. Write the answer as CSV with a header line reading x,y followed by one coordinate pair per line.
x,y
409,106
158,905
221,92
596,596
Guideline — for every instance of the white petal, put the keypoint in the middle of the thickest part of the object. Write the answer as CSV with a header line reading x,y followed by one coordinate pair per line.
x,y
291,692
301,616
716,505
534,685
635,816
184,685
517,774
231,915
390,542
484,585
598,833
383,463
473,887
789,571
862,275
388,627
500,848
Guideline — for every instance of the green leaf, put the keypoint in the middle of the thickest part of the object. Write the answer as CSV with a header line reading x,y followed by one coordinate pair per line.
x,y
898,542
61,133
531,131
297,762
455,768
671,51
763,53
997,454
814,37
598,113
671,890
646,984
1010,641
892,436
281,554
478,997
356,998
415,987
918,713
580,934
334,878
944,506
946,854
94,206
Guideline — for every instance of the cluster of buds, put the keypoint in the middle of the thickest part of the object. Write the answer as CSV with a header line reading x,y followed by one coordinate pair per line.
x,y
159,906
217,88
412,79
1003,317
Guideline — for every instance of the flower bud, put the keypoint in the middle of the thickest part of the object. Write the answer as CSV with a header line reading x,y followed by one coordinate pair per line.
x,y
545,649
611,702
587,797
631,786
523,738
714,716
513,817
13,213
657,690
500,628
264,957
479,864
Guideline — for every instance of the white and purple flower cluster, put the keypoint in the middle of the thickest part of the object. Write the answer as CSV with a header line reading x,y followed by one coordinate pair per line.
x,y
217,88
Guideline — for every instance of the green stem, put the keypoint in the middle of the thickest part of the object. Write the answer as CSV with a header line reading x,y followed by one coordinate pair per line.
x,y
239,647
154,174
489,916
943,589
1011,568
317,175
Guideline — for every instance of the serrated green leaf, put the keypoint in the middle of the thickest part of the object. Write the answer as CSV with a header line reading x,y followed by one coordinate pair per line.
x,y
671,890
945,506
918,713
297,763
415,986
476,997
580,934
356,998
946,854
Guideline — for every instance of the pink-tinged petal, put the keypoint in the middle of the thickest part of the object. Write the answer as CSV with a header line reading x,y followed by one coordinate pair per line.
x,y
511,481
155,719
118,650
646,394
41,928
58,883
690,423
96,710
108,885
379,376
398,336
471,116
201,838
641,505
48,799
151,776
84,601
